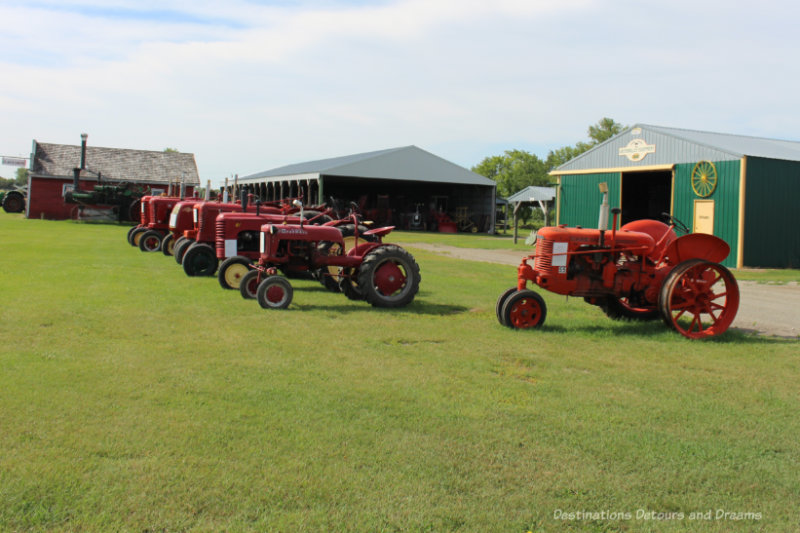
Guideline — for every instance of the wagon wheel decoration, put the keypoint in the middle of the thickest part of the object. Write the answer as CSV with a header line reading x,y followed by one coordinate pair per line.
x,y
704,178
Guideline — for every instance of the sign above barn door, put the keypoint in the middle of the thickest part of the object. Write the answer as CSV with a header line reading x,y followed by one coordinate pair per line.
x,y
637,149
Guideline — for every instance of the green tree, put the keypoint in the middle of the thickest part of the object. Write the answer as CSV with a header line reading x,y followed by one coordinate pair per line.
x,y
171,150
600,132
22,176
513,171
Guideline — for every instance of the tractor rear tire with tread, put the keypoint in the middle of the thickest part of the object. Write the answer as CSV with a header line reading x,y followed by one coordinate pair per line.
x,y
389,277
200,260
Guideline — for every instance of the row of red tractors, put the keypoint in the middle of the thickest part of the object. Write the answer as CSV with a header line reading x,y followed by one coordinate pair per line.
x,y
256,247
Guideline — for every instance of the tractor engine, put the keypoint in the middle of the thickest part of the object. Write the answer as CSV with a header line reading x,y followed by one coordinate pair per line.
x,y
594,263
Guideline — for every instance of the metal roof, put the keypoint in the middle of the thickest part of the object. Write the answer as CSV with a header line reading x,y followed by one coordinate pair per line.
x,y
115,164
533,194
644,145
408,163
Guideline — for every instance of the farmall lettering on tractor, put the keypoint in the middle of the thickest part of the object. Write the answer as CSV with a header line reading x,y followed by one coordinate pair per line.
x,y
385,275
639,272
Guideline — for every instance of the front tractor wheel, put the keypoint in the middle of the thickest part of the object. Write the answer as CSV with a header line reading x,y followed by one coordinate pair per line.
x,y
150,241
524,309
389,277
501,301
200,260
248,286
168,244
275,292
699,299
232,270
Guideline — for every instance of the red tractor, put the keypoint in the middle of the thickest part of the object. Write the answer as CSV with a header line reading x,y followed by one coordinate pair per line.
x,y
156,228
641,271
385,275
144,217
198,254
180,220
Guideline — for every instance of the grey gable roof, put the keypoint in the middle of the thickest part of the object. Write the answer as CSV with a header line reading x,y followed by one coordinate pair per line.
x,y
115,164
533,193
674,145
406,163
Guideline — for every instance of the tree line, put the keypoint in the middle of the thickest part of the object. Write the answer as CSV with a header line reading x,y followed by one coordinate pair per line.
x,y
20,180
517,169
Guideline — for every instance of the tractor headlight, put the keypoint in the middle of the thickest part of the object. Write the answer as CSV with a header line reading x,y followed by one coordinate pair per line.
x,y
262,239
194,215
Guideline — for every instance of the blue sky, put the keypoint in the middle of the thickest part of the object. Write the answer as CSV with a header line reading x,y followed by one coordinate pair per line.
x,y
248,86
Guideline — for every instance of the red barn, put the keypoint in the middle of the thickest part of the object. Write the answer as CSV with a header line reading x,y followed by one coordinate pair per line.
x,y
51,175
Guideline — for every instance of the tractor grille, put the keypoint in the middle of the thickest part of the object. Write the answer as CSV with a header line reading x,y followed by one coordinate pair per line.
x,y
220,235
543,261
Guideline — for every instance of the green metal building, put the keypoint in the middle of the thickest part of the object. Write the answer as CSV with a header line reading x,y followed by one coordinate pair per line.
x,y
742,189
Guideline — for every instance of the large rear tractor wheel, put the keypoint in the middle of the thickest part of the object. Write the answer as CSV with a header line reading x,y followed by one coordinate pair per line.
x,y
248,286
389,277
180,248
699,299
274,292
498,307
200,260
232,270
14,202
150,241
524,309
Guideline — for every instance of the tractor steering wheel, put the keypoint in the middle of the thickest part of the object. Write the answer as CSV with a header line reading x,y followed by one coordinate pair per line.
x,y
676,223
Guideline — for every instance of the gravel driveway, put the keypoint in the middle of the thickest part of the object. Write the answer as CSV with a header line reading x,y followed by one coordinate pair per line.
x,y
772,310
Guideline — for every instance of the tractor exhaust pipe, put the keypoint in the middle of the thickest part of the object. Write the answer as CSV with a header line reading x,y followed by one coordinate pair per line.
x,y
602,223
244,199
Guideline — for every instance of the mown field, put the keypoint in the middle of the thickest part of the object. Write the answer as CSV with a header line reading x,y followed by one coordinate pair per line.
x,y
134,398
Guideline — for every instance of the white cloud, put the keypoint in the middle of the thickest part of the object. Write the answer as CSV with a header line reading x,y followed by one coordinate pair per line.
x,y
248,86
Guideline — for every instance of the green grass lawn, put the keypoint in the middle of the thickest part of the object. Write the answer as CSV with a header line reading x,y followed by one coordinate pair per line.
x,y
134,398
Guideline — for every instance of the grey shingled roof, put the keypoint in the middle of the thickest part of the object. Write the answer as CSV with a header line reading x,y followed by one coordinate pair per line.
x,y
115,164
675,145
406,163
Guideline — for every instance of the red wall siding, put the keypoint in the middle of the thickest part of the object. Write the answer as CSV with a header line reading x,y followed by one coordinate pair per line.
x,y
46,197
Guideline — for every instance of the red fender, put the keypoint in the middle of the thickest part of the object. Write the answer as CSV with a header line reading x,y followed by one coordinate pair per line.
x,y
697,246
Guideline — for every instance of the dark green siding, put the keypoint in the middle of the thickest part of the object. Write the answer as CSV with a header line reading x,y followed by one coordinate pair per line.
x,y
580,198
726,202
772,213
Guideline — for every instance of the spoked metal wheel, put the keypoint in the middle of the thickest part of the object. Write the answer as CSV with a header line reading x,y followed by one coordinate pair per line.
x,y
275,292
699,299
524,309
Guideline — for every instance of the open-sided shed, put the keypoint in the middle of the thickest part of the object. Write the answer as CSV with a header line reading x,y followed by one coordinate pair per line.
x,y
388,185
742,189
541,197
